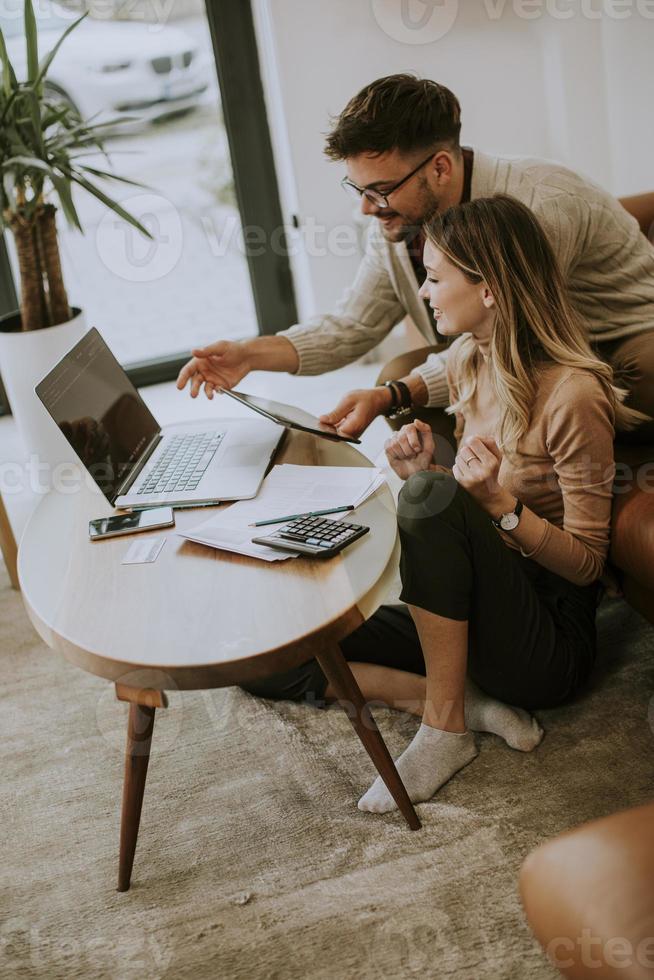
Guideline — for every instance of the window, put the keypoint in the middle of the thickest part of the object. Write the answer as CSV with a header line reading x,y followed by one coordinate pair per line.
x,y
209,167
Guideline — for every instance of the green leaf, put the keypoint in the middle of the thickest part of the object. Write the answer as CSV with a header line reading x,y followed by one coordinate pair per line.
x,y
112,205
31,41
35,105
27,163
53,117
47,60
95,129
108,175
9,82
8,104
62,187
14,143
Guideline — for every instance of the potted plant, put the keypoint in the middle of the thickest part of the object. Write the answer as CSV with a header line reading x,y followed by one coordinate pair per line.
x,y
42,139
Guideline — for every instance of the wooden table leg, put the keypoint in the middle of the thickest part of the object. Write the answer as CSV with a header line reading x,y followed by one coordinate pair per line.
x,y
8,546
140,725
338,673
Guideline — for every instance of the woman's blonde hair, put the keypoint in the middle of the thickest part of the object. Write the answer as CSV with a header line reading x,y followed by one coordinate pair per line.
x,y
499,241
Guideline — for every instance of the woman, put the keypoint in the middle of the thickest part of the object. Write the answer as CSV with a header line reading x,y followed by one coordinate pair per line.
x,y
502,618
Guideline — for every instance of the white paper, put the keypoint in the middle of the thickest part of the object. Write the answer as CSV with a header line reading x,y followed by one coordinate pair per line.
x,y
287,490
143,551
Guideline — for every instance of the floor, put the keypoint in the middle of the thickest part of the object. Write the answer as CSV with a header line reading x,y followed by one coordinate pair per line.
x,y
253,861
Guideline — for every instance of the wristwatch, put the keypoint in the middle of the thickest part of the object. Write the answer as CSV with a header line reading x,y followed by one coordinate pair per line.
x,y
401,402
507,522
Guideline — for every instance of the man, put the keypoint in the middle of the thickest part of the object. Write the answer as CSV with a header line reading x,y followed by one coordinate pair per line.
x,y
399,139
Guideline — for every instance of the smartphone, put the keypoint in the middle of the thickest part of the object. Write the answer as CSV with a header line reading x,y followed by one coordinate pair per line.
x,y
142,520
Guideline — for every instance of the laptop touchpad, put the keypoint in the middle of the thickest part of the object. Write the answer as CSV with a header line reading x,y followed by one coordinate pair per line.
x,y
245,455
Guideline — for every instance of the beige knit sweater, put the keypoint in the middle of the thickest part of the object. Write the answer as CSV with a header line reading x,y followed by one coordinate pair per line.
x,y
563,466
608,263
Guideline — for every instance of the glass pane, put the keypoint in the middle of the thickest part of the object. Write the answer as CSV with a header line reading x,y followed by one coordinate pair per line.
x,y
190,284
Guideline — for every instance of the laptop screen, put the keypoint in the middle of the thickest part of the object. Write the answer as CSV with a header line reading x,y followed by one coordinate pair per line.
x,y
99,411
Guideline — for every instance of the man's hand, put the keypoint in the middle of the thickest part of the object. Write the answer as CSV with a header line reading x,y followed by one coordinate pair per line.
x,y
220,365
411,450
358,409
476,468
224,364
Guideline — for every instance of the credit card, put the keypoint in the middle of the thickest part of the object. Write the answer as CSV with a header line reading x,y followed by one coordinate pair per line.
x,y
143,551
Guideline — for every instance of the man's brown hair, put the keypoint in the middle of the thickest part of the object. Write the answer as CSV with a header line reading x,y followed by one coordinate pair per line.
x,y
398,112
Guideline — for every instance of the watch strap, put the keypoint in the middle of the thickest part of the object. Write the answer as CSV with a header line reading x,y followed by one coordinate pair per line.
x,y
405,395
517,510
395,397
402,401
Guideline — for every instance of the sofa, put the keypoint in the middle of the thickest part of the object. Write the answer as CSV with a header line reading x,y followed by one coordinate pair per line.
x,y
589,897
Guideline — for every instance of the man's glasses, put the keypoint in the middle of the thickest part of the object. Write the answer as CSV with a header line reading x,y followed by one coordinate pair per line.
x,y
376,197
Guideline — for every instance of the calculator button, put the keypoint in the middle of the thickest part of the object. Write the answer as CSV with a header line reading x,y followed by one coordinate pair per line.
x,y
312,541
325,544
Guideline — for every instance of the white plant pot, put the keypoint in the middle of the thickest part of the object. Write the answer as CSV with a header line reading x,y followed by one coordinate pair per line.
x,y
25,359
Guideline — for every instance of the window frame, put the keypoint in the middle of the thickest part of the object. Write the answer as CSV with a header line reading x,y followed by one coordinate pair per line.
x,y
231,25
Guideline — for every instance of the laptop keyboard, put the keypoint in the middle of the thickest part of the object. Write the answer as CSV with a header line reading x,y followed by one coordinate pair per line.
x,y
182,463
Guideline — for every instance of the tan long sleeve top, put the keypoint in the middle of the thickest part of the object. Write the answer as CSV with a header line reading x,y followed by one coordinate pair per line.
x,y
607,263
563,468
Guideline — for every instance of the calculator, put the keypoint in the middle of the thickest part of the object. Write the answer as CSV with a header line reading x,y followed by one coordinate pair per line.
x,y
314,536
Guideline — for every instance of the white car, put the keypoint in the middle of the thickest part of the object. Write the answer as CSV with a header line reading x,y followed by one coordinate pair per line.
x,y
115,68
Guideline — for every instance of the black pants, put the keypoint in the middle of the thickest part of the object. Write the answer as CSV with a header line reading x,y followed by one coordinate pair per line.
x,y
532,635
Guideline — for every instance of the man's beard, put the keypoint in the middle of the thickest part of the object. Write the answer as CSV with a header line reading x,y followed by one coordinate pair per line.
x,y
407,232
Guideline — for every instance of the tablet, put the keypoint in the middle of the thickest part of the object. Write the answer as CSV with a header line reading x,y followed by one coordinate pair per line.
x,y
288,415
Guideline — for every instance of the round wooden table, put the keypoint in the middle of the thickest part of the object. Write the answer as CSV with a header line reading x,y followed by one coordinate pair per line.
x,y
201,618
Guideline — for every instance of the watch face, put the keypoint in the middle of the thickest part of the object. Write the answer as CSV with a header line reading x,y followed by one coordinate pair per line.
x,y
509,521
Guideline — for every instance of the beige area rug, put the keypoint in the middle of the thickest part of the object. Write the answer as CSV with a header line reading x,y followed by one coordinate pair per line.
x,y
253,861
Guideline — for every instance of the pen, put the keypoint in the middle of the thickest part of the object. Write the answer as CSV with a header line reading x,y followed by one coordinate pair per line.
x,y
295,517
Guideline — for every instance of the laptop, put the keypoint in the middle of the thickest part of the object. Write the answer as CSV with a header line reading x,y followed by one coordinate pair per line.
x,y
134,461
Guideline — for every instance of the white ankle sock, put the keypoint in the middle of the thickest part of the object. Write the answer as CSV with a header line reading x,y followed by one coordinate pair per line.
x,y
484,714
432,758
